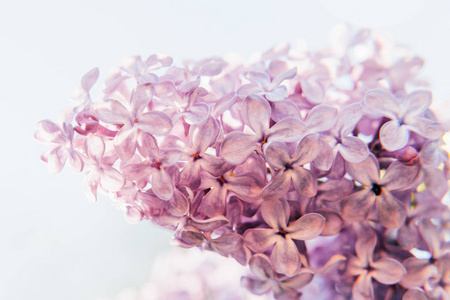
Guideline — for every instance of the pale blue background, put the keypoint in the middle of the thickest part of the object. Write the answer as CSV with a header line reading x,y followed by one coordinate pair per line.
x,y
55,244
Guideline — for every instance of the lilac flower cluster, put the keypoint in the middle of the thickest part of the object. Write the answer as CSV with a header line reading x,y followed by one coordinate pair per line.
x,y
314,168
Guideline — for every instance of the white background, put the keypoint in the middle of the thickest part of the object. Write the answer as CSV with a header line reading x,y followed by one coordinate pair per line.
x,y
54,243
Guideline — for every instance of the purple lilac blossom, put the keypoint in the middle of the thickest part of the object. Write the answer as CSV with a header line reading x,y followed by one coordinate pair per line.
x,y
324,172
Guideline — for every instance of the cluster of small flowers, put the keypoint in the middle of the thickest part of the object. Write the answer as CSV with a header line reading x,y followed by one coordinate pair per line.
x,y
322,168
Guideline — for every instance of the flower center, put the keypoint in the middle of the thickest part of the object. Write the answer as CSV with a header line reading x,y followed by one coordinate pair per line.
x,y
196,156
282,232
376,189
221,180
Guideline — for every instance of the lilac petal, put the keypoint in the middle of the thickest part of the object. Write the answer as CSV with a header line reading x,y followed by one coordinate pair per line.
x,y
192,236
275,213
408,236
305,183
426,128
213,203
203,136
208,225
357,206
431,236
394,136
178,204
430,154
90,185
363,288
285,257
308,227
162,185
399,176
306,150
223,104
366,172
133,215
256,286
287,130
147,146
335,190
141,97
278,94
382,102
277,155
89,79
418,272
170,157
321,118
415,294
167,93
237,146
49,132
256,112
284,109
95,148
76,161
214,165
137,172
56,159
289,74
388,271
313,91
298,281
325,156
227,244
391,212
111,179
349,116
364,247
212,68
416,103
113,112
353,149
260,239
196,114
245,187
125,142
333,221
260,267
278,187
259,77
155,122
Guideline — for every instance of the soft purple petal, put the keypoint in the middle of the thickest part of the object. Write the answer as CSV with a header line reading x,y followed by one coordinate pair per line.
x,y
261,78
196,114
208,225
49,132
298,281
306,150
278,94
227,243
148,146
162,185
113,112
256,286
388,271
391,212
90,185
246,187
349,116
325,156
214,165
277,155
260,267
308,227
431,236
76,161
353,149
366,172
56,159
95,148
133,215
335,190
287,130
289,74
382,102
237,146
364,247
191,236
426,128
203,136
285,257
111,179
399,176
305,183
125,142
260,239
256,112
357,206
321,118
415,294
394,136
278,187
275,213
284,109
89,79
155,122
333,221
213,204
137,172
418,272
363,288
313,91
416,103
141,97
